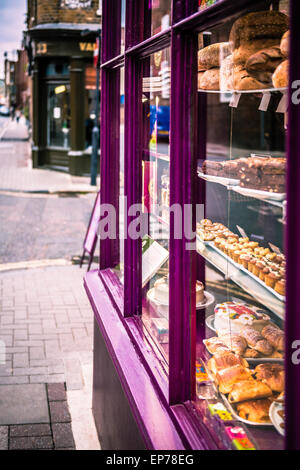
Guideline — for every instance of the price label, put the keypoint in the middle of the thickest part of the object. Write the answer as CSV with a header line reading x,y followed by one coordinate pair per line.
x,y
265,101
275,248
235,99
283,104
242,231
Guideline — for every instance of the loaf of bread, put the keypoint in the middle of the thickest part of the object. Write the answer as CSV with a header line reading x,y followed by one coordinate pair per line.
x,y
285,44
262,65
209,80
212,56
260,25
243,81
242,53
280,77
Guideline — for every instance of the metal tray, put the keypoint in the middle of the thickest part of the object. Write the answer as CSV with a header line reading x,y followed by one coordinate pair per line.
x,y
219,179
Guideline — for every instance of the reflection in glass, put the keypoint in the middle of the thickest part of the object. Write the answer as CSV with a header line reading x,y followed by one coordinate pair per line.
x,y
58,115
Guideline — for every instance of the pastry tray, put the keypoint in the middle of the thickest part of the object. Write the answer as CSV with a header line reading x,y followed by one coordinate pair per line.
x,y
232,410
241,268
209,321
219,179
256,193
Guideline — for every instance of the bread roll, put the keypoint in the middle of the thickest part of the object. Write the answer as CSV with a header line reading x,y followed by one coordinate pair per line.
x,y
259,25
280,77
248,390
285,44
256,411
246,50
210,80
212,56
243,81
262,65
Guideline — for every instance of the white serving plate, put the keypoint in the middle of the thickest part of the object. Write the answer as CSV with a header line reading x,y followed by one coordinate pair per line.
x,y
219,179
256,193
275,418
209,300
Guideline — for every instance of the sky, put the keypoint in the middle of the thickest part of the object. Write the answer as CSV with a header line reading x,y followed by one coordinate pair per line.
x,y
12,23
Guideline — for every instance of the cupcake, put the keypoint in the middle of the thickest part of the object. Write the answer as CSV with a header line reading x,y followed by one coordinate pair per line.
x,y
251,264
263,273
271,256
236,255
252,245
280,287
244,240
205,222
218,241
245,259
259,267
272,278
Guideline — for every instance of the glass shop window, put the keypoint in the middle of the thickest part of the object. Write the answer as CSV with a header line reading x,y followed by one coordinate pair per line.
x,y
242,85
58,115
156,195
157,16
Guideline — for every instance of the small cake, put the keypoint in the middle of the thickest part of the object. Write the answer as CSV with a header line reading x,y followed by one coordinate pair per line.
x,y
161,291
234,316
258,267
280,287
245,259
272,278
200,298
251,264
263,273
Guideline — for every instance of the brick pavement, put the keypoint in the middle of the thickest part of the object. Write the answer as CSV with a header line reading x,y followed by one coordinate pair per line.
x,y
46,324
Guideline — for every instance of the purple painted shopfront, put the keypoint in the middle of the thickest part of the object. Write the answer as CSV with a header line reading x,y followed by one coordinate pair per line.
x,y
196,336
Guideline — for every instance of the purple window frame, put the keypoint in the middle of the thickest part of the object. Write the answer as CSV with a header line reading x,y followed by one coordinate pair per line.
x,y
184,114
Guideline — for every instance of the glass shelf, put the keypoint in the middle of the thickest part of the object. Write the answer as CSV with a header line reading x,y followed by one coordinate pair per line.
x,y
232,92
248,284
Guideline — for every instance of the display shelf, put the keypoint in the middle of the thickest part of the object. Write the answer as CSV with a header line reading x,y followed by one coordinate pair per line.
x,y
242,92
231,184
248,284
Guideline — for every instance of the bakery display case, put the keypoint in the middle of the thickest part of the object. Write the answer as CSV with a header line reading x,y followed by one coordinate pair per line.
x,y
197,343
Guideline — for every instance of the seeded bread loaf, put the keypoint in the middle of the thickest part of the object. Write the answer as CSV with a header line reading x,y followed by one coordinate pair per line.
x,y
212,56
243,81
262,65
285,43
210,80
281,75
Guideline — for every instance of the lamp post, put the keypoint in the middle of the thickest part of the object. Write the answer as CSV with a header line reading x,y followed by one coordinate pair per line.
x,y
95,132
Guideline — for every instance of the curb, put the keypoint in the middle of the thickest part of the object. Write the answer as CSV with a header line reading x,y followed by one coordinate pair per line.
x,y
49,192
43,263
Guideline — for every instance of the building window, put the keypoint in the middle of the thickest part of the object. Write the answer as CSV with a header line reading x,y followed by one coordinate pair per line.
x,y
58,112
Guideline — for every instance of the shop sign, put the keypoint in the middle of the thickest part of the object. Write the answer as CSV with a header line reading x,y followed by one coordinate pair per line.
x,y
87,46
76,4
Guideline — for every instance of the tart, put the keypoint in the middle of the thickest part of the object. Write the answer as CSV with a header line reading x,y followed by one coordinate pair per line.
x,y
234,316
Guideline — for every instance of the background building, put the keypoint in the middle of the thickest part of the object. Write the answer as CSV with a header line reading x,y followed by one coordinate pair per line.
x,y
60,40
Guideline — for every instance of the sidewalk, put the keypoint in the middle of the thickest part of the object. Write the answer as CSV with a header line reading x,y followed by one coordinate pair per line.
x,y
46,333
17,175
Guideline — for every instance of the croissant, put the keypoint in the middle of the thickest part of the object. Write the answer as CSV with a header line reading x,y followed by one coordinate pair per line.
x,y
272,375
249,389
251,353
275,336
225,360
255,410
226,378
235,342
256,340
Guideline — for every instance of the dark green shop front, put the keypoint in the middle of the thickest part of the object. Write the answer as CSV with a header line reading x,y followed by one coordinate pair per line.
x,y
63,97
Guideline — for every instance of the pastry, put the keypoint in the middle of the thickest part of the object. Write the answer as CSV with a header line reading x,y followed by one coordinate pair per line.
x,y
224,360
263,64
212,56
255,340
280,77
284,44
251,353
200,75
226,378
234,342
161,290
200,297
234,316
215,345
275,336
272,375
248,390
256,411
272,278
210,80
280,286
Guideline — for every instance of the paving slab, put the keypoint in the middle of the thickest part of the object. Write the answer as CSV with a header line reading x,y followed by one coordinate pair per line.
x,y
23,404
3,437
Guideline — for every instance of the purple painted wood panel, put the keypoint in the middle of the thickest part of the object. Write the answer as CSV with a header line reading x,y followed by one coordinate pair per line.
x,y
183,174
292,323
151,415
